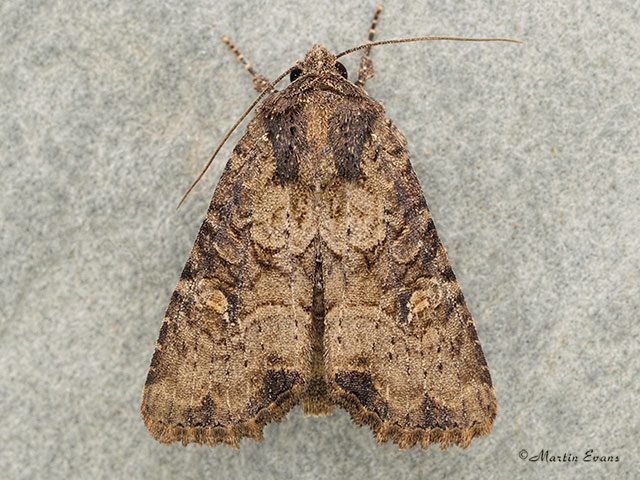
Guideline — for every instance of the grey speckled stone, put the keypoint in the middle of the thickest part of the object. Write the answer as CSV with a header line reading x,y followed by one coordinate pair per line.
x,y
528,156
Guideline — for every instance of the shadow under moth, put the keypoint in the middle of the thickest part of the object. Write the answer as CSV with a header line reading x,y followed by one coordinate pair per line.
x,y
317,278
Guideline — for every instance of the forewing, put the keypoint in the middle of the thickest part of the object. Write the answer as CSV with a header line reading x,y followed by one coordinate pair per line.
x,y
402,351
232,347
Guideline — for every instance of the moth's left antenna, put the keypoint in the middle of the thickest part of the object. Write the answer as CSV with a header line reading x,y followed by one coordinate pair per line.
x,y
265,90
260,82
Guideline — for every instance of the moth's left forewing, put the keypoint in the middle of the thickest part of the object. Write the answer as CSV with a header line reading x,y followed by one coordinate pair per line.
x,y
402,351
231,354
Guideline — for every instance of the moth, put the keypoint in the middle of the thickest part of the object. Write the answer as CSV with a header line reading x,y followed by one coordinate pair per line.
x,y
318,278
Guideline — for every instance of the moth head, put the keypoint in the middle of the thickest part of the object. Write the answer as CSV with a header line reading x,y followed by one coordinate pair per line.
x,y
318,60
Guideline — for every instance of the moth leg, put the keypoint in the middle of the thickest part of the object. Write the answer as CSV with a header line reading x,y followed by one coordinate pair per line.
x,y
366,71
260,82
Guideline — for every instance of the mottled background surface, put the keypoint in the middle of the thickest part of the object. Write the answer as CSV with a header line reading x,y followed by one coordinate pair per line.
x,y
528,155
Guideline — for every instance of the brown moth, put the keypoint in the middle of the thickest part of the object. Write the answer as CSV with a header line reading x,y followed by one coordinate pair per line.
x,y
317,278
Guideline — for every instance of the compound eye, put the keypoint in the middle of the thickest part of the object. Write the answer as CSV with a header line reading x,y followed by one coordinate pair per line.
x,y
341,69
295,74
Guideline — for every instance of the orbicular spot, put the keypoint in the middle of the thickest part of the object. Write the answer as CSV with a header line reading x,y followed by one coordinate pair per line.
x,y
216,301
275,383
424,302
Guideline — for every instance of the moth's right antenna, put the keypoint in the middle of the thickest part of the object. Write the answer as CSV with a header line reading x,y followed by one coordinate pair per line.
x,y
365,70
368,45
